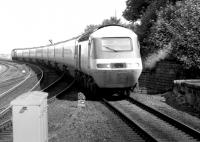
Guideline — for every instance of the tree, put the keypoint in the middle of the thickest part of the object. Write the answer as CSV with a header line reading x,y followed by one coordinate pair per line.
x,y
179,26
90,28
146,11
112,20
149,17
135,9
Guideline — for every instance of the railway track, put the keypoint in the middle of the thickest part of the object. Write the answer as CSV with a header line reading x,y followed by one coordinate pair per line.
x,y
17,83
6,84
150,124
11,72
5,70
191,132
138,131
26,84
54,89
12,93
5,115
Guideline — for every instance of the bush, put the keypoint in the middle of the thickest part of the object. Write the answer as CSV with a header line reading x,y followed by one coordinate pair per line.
x,y
178,27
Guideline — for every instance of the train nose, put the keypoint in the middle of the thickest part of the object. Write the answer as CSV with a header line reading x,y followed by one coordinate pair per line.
x,y
117,79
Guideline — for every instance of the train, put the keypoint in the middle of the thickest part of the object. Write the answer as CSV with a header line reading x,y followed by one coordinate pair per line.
x,y
107,58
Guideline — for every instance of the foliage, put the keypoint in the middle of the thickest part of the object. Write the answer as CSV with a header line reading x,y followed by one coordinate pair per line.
x,y
110,21
168,25
146,11
149,17
178,26
135,9
90,28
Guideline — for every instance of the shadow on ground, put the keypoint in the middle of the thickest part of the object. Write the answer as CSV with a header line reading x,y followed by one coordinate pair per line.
x,y
72,95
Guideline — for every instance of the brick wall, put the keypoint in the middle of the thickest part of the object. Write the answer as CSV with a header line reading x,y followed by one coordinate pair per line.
x,y
160,78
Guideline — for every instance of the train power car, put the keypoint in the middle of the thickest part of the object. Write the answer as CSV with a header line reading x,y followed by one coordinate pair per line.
x,y
108,58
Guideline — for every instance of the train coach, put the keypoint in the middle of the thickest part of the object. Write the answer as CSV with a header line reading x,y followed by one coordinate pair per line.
x,y
107,58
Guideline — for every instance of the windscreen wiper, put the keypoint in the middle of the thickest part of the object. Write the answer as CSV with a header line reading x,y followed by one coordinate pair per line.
x,y
110,48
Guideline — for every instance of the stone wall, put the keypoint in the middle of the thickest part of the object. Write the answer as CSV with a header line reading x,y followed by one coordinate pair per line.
x,y
187,92
164,77
160,78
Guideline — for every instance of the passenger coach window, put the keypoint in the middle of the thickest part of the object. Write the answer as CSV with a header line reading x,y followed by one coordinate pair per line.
x,y
116,44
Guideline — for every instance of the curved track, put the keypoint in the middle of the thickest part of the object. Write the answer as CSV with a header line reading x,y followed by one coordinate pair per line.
x,y
9,85
28,83
15,86
151,124
5,70
11,72
25,84
13,92
60,85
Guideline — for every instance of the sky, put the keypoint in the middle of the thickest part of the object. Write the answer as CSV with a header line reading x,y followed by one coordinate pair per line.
x,y
31,23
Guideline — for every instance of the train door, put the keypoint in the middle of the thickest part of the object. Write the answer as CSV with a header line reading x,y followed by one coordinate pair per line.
x,y
54,53
89,54
14,54
78,56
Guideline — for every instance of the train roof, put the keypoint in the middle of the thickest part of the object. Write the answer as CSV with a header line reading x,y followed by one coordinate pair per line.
x,y
86,35
47,44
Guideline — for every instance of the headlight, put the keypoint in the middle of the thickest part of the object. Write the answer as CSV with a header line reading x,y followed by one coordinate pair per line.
x,y
103,65
133,65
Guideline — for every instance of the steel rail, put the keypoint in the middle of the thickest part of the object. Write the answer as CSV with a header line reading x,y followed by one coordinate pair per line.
x,y
183,127
128,120
41,71
5,69
10,82
6,123
8,107
7,64
66,88
11,89
2,125
53,82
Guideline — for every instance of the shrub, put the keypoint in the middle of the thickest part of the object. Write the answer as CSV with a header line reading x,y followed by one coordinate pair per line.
x,y
178,26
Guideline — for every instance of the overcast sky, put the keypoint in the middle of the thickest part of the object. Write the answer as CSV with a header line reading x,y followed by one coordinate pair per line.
x,y
29,23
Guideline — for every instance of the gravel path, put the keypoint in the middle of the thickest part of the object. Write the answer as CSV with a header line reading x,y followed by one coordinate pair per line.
x,y
70,122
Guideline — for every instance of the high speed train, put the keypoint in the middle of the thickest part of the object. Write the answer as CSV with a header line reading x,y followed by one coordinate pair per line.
x,y
108,58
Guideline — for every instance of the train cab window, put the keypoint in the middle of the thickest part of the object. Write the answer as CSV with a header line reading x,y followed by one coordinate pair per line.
x,y
115,44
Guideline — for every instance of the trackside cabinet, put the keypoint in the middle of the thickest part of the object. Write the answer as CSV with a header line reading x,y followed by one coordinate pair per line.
x,y
29,116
